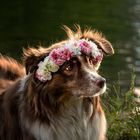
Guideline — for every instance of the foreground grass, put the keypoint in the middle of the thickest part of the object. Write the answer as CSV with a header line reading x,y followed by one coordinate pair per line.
x,y
122,113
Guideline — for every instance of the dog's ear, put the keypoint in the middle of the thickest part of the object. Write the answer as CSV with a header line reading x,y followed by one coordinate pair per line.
x,y
100,40
32,56
105,45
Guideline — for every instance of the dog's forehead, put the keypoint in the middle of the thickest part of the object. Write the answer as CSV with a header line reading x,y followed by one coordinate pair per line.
x,y
86,64
83,59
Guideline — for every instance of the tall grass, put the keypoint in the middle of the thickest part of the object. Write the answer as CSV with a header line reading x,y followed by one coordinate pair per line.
x,y
122,113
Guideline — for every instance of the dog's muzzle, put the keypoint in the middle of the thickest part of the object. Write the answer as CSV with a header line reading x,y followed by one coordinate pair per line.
x,y
100,82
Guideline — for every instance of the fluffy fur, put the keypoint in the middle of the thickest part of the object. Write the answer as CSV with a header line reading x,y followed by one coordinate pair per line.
x,y
66,108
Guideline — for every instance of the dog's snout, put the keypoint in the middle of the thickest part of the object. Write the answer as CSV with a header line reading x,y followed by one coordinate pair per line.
x,y
100,82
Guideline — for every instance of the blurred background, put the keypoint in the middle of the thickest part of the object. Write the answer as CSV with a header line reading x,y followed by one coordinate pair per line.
x,y
26,23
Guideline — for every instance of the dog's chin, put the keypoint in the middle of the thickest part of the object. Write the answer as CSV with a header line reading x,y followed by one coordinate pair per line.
x,y
91,93
100,92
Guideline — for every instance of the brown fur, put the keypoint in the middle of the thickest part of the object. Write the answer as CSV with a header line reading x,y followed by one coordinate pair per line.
x,y
10,71
47,105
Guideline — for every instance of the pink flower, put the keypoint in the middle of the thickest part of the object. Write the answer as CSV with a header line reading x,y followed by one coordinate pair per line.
x,y
85,47
66,54
60,56
98,58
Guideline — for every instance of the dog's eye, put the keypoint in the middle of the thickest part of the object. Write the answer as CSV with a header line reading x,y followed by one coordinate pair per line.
x,y
69,67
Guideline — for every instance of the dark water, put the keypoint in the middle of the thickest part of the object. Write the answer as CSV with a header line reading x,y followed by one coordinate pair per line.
x,y
24,22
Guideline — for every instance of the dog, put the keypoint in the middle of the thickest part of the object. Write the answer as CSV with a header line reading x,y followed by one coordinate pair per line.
x,y
63,104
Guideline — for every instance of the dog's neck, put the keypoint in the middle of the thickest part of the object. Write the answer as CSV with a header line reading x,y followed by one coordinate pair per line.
x,y
72,122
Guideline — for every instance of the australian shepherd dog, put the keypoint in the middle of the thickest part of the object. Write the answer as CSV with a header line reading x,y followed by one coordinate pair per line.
x,y
63,104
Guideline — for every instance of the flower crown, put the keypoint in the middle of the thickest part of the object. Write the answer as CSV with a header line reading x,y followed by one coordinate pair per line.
x,y
59,56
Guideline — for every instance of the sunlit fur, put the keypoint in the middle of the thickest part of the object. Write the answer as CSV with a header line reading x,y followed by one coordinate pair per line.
x,y
66,108
10,71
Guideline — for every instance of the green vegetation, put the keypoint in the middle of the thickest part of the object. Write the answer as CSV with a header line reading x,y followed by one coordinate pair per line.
x,y
122,113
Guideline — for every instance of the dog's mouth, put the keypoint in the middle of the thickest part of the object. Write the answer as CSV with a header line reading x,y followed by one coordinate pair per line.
x,y
101,91
90,92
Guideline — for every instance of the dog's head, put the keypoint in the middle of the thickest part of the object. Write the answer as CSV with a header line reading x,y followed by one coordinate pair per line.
x,y
77,77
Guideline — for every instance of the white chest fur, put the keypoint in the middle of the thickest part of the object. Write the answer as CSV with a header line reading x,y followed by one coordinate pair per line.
x,y
73,125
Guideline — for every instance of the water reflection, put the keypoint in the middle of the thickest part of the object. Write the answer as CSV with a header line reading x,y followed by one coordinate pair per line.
x,y
33,22
136,50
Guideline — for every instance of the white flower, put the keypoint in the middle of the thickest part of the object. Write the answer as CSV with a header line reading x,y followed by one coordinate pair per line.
x,y
43,74
47,75
45,68
74,47
51,66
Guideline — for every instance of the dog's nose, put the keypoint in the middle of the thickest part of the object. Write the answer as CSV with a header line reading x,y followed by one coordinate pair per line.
x,y
100,82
